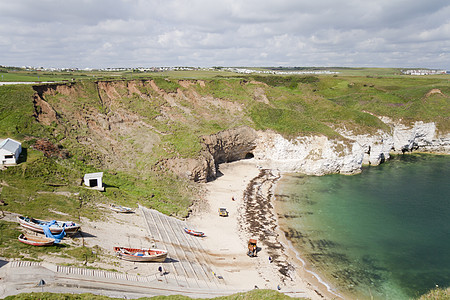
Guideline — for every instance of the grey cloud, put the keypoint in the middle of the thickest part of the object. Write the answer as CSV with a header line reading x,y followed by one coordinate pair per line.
x,y
131,33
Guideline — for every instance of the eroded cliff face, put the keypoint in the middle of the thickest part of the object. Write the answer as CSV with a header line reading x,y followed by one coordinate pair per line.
x,y
222,147
123,139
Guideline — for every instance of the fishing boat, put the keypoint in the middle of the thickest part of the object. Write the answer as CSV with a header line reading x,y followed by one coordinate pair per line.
x,y
56,227
141,255
35,240
120,209
193,232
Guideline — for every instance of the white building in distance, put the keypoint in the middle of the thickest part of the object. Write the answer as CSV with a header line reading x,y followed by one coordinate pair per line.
x,y
9,152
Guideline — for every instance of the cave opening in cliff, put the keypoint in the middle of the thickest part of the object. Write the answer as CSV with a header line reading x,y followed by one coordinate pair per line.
x,y
249,155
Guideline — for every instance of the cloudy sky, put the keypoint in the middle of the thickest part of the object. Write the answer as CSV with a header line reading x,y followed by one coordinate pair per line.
x,y
132,33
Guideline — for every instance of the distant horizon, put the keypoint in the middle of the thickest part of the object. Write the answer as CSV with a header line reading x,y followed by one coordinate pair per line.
x,y
215,67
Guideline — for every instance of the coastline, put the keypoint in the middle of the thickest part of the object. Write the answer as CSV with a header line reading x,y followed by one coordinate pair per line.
x,y
253,215
303,268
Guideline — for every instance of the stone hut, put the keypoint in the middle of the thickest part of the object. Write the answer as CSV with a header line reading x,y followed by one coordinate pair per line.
x,y
94,181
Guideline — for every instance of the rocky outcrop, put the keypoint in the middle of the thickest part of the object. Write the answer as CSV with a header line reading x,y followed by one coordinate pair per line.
x,y
225,146
199,169
420,136
315,155
230,145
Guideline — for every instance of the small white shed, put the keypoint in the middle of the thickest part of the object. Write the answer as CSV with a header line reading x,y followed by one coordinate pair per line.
x,y
9,152
94,180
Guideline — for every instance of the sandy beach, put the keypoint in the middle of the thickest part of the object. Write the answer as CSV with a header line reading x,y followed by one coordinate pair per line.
x,y
251,215
246,191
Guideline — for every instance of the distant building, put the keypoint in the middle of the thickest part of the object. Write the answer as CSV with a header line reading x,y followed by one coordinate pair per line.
x,y
94,181
423,72
9,152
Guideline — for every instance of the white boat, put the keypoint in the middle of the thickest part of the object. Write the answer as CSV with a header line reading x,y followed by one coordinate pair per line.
x,y
120,209
141,255
56,227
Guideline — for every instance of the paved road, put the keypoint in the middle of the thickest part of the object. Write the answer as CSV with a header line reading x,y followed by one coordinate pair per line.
x,y
188,270
25,277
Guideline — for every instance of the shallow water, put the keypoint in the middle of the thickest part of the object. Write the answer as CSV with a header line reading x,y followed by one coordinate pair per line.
x,y
384,233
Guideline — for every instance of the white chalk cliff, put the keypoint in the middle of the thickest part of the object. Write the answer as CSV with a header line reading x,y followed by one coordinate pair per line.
x,y
318,155
311,155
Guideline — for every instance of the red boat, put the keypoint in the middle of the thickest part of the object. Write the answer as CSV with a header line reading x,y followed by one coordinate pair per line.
x,y
193,232
35,240
141,255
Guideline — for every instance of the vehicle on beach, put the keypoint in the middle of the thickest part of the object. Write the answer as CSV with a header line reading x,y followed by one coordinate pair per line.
x,y
120,209
56,227
252,248
141,255
193,232
35,240
223,212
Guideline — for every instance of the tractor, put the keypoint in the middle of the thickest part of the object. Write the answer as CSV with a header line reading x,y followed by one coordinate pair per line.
x,y
252,248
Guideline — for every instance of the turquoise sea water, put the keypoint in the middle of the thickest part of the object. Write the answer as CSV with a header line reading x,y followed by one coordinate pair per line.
x,y
383,233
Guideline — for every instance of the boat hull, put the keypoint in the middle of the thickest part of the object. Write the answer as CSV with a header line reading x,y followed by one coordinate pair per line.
x,y
35,225
193,232
120,209
35,240
141,255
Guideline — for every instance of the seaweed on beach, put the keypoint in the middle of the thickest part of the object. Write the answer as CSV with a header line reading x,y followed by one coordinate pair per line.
x,y
259,220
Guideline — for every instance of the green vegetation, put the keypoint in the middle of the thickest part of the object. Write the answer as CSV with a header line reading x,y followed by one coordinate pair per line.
x,y
16,112
166,84
251,295
291,82
117,123
395,97
232,89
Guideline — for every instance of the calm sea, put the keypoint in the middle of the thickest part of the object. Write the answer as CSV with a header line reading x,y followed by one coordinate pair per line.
x,y
384,233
